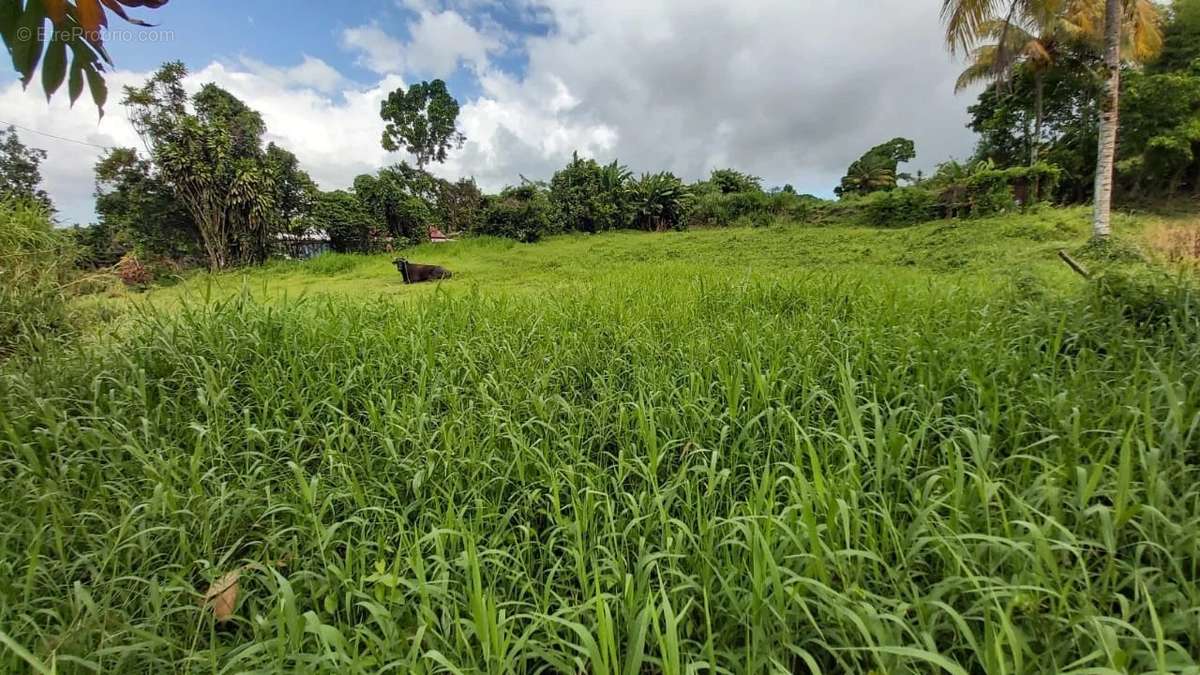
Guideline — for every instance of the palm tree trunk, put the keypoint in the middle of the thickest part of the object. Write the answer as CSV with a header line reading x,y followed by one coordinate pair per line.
x,y
1039,95
1109,120
1039,92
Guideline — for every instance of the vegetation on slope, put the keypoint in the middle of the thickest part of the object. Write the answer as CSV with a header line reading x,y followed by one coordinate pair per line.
x,y
848,468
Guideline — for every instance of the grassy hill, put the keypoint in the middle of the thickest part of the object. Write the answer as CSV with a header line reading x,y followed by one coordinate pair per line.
x,y
984,251
784,449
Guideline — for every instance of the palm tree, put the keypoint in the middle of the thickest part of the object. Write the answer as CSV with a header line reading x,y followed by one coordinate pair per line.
x,y
1143,40
1023,42
968,21
866,176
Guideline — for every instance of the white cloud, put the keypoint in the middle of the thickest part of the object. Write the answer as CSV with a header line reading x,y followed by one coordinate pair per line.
x,y
380,52
335,136
791,90
312,72
439,41
67,170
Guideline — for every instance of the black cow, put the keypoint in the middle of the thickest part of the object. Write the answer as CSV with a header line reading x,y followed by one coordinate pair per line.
x,y
415,273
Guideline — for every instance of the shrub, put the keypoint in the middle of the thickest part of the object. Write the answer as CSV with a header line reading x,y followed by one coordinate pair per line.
x,y
899,207
1147,299
523,213
982,190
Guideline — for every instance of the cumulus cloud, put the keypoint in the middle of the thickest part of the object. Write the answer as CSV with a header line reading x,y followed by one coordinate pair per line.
x,y
311,72
789,90
439,41
335,135
792,91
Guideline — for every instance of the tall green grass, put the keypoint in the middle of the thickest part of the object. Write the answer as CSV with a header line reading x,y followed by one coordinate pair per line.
x,y
806,475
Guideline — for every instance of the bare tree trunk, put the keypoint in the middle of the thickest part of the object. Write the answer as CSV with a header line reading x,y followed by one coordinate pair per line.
x,y
1109,119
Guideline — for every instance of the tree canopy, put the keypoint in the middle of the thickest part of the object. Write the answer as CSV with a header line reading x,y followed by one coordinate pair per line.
x,y
20,170
208,148
422,121
877,168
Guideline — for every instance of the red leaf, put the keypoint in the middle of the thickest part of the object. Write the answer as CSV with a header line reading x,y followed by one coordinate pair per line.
x,y
91,16
56,10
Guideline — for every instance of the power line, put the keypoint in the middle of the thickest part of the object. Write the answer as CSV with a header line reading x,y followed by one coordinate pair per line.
x,y
60,138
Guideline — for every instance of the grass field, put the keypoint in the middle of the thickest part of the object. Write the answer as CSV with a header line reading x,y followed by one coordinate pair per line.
x,y
986,251
758,450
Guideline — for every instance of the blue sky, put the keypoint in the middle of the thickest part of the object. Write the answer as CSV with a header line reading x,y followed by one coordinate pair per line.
x,y
789,90
278,31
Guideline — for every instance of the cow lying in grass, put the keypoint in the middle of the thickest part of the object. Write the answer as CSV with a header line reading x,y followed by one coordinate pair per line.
x,y
415,273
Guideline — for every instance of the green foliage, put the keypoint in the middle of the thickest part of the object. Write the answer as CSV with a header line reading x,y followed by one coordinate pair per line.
x,y
659,202
1109,250
391,200
726,181
899,207
877,169
137,210
692,460
34,261
1160,133
981,189
523,213
238,194
588,197
292,189
1004,118
421,121
345,219
75,29
459,205
1181,39
20,170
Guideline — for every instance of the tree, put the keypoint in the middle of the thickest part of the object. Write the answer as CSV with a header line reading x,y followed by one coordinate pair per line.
x,y
1033,41
20,170
588,197
76,27
137,209
390,201
1181,38
728,181
208,148
1109,119
460,205
877,169
1160,132
867,175
342,216
294,191
421,121
967,21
